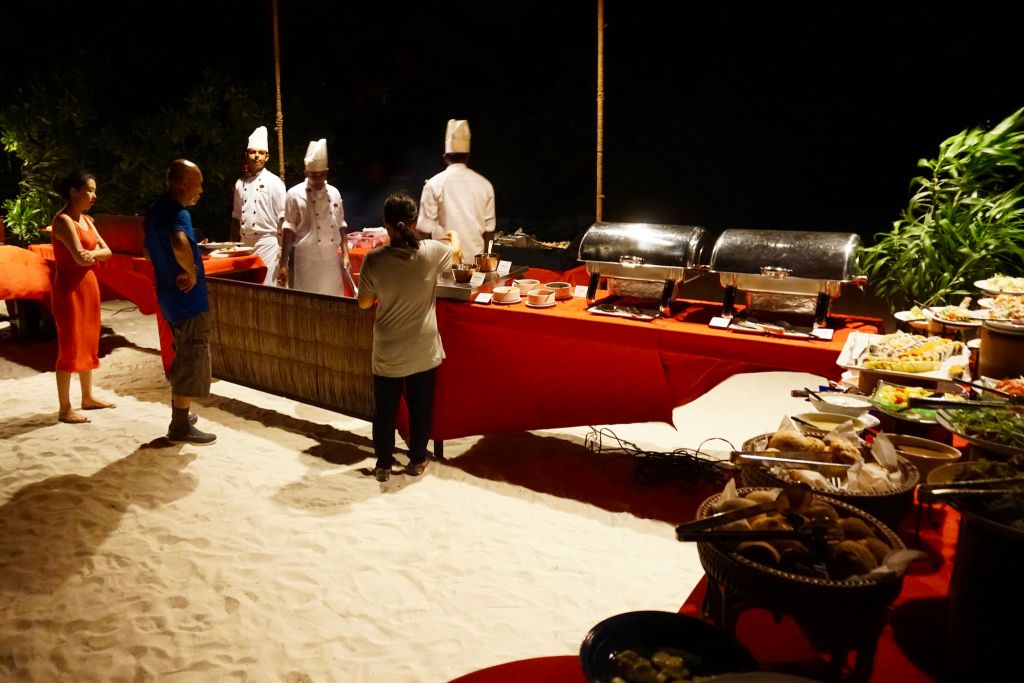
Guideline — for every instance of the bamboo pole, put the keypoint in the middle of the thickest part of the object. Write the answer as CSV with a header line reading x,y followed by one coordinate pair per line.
x,y
279,120
599,212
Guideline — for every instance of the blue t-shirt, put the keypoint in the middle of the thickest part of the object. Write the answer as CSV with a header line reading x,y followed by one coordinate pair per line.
x,y
165,217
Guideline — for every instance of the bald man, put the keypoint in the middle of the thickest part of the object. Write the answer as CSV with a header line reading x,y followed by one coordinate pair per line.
x,y
181,292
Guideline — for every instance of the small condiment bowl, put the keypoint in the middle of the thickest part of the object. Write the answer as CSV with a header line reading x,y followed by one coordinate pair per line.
x,y
826,422
844,404
563,290
526,285
505,294
541,297
487,263
924,453
463,272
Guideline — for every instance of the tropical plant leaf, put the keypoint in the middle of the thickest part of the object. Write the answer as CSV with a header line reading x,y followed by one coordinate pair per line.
x,y
964,220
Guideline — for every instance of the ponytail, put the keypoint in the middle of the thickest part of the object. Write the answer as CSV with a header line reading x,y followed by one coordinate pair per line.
x,y
400,212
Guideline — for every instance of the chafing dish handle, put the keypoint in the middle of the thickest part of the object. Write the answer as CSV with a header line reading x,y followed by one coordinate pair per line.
x,y
666,297
729,301
821,310
595,279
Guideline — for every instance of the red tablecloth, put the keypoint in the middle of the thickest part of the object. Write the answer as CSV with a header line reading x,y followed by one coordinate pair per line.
x,y
24,274
560,669
562,366
909,651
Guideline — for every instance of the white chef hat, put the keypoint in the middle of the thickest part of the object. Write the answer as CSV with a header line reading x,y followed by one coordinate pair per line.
x,y
316,155
456,137
258,140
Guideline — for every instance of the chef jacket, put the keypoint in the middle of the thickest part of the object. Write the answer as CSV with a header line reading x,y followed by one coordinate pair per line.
x,y
318,219
258,205
459,199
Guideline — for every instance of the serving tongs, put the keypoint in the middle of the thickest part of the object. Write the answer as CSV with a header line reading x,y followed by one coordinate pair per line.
x,y
949,404
814,534
1011,398
970,488
792,497
785,458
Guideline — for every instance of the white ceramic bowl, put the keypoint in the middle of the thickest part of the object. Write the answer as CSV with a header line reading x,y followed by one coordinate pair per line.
x,y
541,296
844,404
563,290
505,293
526,285
924,453
829,421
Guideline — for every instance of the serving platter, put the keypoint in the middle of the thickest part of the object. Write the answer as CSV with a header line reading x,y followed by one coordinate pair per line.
x,y
989,288
228,253
943,417
911,319
857,345
934,313
211,246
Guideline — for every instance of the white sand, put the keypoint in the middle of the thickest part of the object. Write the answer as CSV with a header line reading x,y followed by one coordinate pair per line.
x,y
269,556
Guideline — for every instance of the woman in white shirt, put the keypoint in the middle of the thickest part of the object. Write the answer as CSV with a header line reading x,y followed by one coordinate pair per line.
x,y
400,279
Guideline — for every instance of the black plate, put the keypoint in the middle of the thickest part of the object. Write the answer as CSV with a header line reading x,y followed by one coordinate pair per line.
x,y
707,649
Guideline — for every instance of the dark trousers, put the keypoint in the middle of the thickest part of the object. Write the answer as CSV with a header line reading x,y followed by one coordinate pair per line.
x,y
419,398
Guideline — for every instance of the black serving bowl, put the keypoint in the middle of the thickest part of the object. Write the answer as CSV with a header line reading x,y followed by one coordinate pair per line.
x,y
706,649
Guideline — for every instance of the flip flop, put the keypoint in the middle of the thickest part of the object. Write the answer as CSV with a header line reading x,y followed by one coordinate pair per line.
x,y
98,405
73,419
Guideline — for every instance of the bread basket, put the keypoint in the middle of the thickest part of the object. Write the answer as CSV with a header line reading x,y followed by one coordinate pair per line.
x,y
890,507
797,594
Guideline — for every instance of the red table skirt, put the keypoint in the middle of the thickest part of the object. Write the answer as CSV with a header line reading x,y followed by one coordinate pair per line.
x,y
563,366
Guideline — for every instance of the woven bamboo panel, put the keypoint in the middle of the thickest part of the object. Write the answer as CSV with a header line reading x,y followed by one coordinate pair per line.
x,y
305,346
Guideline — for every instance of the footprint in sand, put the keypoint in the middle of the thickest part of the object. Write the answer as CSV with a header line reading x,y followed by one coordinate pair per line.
x,y
231,605
178,601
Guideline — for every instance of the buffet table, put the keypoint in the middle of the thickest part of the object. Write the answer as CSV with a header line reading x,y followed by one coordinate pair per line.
x,y
567,367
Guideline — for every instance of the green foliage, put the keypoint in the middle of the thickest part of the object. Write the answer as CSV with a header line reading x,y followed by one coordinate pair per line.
x,y
964,222
74,120
25,216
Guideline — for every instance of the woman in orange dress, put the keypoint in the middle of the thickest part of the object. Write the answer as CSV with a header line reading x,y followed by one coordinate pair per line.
x,y
77,246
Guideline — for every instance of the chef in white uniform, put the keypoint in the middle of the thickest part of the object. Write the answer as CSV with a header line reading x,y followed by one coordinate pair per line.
x,y
458,198
314,222
259,205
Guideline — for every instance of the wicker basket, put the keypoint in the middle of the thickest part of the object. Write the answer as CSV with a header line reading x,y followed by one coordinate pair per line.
x,y
890,507
797,594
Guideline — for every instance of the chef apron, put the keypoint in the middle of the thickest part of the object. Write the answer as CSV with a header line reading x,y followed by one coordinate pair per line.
x,y
317,261
268,249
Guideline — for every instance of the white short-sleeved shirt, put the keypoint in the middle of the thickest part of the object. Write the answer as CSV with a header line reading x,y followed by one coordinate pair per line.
x,y
259,203
405,336
458,199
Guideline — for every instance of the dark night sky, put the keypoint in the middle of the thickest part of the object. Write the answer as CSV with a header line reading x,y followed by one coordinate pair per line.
x,y
731,116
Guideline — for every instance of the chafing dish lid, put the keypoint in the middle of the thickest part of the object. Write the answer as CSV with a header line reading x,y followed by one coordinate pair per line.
x,y
653,244
805,254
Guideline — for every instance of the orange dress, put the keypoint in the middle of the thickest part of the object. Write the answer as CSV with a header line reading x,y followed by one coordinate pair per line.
x,y
76,304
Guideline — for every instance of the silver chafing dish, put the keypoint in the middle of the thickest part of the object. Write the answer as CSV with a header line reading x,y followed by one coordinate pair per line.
x,y
785,270
642,260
